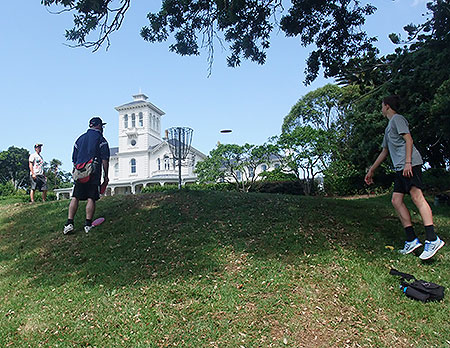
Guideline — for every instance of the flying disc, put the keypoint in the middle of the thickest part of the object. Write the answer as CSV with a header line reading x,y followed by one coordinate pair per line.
x,y
98,221
226,131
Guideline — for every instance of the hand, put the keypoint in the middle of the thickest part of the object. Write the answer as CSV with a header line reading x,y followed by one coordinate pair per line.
x,y
407,171
369,177
34,176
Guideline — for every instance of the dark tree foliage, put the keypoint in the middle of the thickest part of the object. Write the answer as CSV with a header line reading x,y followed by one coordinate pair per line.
x,y
90,16
420,74
14,167
332,26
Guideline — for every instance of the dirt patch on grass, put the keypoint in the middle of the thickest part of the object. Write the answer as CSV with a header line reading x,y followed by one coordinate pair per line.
x,y
323,319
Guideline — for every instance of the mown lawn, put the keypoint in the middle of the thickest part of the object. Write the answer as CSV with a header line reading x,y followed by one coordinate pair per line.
x,y
216,269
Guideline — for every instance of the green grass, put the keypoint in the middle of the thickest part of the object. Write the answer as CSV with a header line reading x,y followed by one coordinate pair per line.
x,y
216,269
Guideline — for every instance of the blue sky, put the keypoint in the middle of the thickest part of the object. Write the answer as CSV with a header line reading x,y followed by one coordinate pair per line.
x,y
50,91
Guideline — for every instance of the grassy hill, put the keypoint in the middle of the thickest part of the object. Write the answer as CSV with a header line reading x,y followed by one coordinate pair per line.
x,y
213,269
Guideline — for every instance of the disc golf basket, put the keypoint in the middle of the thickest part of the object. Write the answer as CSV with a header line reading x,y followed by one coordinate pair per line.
x,y
180,139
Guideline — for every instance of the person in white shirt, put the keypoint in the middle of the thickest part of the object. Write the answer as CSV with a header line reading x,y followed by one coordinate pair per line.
x,y
38,179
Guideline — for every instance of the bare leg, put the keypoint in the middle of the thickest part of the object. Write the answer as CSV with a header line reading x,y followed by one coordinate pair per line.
x,y
32,196
402,210
90,209
423,206
44,196
73,207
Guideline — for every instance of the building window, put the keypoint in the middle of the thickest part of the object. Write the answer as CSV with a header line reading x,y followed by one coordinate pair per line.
x,y
133,166
133,120
239,175
141,120
116,169
251,172
263,167
277,165
153,122
174,163
158,161
166,163
125,121
133,142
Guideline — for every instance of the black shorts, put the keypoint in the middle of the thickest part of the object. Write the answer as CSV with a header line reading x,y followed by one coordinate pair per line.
x,y
402,184
85,191
40,183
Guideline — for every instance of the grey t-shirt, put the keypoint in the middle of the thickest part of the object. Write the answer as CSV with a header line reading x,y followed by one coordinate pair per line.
x,y
394,141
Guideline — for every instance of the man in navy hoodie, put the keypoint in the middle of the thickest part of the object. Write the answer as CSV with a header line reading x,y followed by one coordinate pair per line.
x,y
90,145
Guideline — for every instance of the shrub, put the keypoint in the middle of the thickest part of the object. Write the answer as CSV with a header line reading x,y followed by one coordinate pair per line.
x,y
219,186
285,187
7,189
159,188
51,196
277,175
436,179
341,179
190,187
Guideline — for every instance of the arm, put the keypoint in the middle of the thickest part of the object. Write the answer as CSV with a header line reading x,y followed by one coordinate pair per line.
x,y
381,157
30,164
407,171
105,165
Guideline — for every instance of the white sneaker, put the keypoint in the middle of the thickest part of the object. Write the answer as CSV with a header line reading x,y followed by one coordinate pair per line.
x,y
68,228
410,246
88,228
431,248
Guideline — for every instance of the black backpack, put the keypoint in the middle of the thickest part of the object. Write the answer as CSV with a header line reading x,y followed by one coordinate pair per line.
x,y
417,289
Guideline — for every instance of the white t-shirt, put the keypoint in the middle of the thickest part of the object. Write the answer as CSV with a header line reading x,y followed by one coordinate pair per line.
x,y
38,164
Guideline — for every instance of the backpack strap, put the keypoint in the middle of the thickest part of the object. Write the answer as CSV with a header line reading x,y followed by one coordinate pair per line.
x,y
401,274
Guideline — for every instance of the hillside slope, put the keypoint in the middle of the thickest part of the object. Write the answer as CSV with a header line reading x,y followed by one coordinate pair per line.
x,y
213,269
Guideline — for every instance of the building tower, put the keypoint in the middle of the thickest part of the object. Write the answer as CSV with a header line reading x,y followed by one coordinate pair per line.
x,y
139,125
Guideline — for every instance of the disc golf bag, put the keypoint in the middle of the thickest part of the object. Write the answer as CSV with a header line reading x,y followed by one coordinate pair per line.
x,y
84,172
418,289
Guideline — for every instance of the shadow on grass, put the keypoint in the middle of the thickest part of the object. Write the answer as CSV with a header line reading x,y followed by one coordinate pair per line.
x,y
184,234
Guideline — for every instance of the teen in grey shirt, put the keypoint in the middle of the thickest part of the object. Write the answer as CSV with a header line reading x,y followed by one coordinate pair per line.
x,y
407,162
394,141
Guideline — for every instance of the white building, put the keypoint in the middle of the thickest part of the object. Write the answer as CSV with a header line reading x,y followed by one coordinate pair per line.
x,y
143,157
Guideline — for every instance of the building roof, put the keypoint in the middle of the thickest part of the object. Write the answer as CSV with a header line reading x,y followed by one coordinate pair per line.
x,y
113,151
139,100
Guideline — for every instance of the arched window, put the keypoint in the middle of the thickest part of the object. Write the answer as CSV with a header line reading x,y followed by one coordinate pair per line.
x,y
166,163
141,120
133,165
116,169
251,172
277,165
158,161
263,167
174,163
153,122
157,124
133,120
125,121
